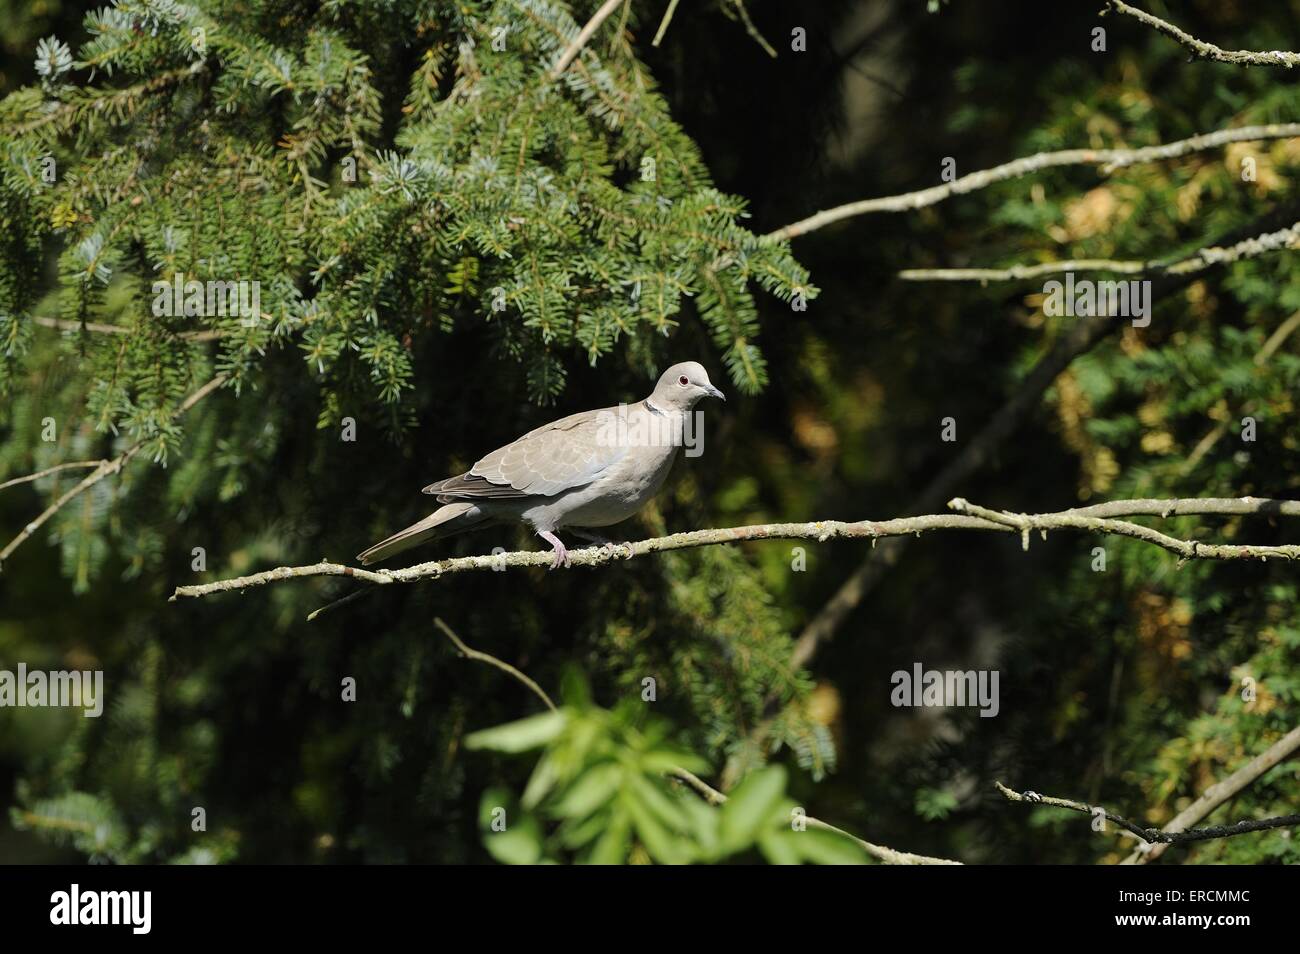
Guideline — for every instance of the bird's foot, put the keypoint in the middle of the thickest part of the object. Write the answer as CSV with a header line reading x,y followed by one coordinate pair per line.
x,y
606,545
557,545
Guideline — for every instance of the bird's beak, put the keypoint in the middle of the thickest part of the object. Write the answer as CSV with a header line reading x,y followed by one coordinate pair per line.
x,y
714,392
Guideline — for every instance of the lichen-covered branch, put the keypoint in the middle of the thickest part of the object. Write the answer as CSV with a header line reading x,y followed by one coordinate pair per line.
x,y
1108,160
1099,518
1201,49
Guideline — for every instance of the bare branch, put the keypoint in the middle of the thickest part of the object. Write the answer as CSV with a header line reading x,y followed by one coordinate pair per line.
x,y
1076,339
663,24
52,470
743,14
1152,835
64,325
102,470
579,41
1220,792
1096,518
1281,240
1199,48
491,660
701,787
1107,159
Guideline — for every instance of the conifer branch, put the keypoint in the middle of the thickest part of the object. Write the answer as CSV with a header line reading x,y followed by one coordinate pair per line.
x,y
1220,792
1098,518
1151,835
1107,159
1199,48
1281,240
102,470
1212,436
690,779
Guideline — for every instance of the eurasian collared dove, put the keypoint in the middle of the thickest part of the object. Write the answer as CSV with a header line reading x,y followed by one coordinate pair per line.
x,y
591,469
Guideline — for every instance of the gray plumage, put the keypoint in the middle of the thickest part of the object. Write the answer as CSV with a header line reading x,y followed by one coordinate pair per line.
x,y
587,470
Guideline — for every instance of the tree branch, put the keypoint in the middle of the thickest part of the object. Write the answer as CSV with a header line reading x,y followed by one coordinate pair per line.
x,y
1199,48
702,788
1283,239
1107,159
52,470
1096,518
102,470
64,325
1077,338
663,24
1152,835
579,41
1220,792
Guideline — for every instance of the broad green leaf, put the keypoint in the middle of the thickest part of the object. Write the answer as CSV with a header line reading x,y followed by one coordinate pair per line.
x,y
520,736
750,807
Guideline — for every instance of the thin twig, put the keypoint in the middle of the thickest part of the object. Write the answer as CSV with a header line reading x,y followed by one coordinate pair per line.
x,y
52,470
1152,835
1199,48
1097,518
663,24
103,470
1220,792
751,29
1107,159
1281,240
63,324
341,601
574,48
491,660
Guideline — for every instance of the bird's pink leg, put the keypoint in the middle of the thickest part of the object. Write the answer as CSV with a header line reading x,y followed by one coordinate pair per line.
x,y
561,551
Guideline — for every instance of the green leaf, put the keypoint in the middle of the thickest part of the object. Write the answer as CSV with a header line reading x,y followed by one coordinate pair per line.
x,y
521,736
828,848
751,806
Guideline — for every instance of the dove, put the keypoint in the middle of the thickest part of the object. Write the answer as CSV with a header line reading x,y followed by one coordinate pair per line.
x,y
591,469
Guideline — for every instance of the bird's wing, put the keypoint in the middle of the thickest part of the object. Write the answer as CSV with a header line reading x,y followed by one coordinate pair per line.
x,y
568,453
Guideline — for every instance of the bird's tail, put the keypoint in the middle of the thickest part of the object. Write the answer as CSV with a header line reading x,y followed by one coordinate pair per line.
x,y
443,522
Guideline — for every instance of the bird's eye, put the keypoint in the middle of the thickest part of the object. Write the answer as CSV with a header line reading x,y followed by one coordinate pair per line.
x,y
683,381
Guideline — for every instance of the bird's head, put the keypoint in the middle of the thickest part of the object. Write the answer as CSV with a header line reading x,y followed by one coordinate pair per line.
x,y
682,385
